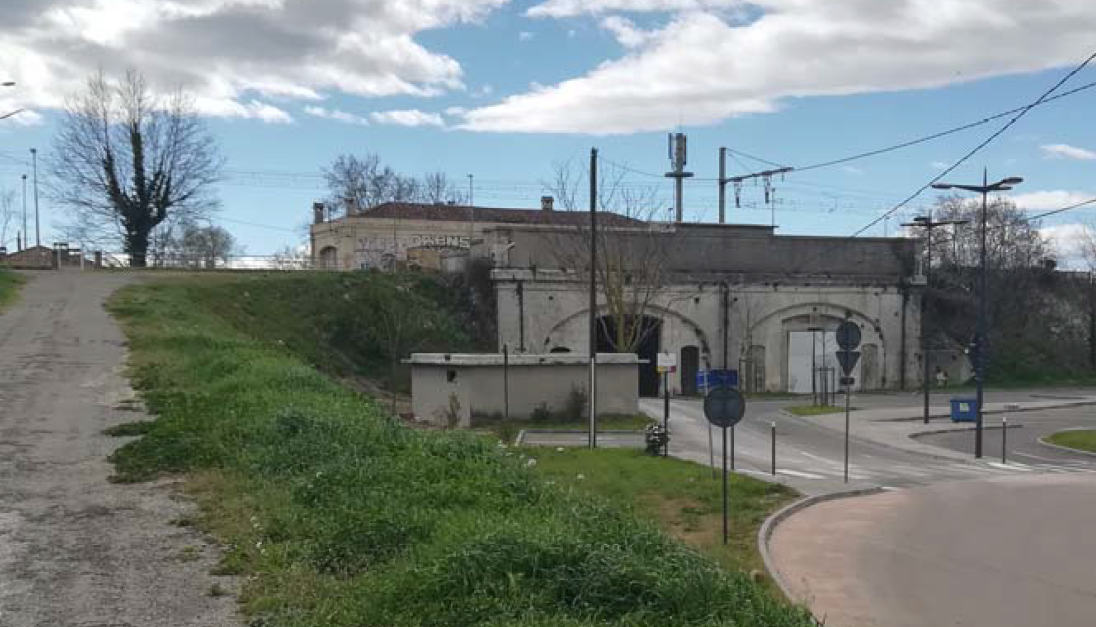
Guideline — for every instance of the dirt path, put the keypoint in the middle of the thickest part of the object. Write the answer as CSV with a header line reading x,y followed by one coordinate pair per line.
x,y
75,549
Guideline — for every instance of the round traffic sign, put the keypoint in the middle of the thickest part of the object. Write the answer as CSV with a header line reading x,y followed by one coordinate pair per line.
x,y
848,335
724,407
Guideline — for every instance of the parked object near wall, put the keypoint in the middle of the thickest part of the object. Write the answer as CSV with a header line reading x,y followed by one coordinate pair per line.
x,y
451,389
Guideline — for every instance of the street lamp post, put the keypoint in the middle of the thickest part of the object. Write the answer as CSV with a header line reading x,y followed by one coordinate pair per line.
x,y
980,338
17,111
927,223
37,224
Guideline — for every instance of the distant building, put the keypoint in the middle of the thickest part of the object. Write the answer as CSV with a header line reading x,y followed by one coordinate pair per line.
x,y
381,237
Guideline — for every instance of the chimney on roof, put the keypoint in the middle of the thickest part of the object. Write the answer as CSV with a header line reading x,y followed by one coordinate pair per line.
x,y
317,213
351,205
546,203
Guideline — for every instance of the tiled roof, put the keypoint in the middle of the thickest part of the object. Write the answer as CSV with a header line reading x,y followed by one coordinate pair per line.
x,y
460,213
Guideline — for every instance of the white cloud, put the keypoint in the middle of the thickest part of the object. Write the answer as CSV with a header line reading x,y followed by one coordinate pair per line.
x,y
701,67
571,8
939,165
625,31
525,36
1065,151
336,115
1068,242
233,55
407,117
1049,199
23,118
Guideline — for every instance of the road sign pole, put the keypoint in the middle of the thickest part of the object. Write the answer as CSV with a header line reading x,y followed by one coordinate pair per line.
x,y
1004,440
772,431
732,447
848,389
666,412
725,506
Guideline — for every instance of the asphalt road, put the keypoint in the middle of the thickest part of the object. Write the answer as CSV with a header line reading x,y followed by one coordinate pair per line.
x,y
75,549
1015,551
1023,444
810,457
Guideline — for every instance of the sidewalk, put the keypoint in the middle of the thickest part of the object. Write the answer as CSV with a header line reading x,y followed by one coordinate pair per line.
x,y
895,426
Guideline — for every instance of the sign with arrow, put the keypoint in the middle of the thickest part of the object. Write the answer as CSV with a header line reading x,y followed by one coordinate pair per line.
x,y
848,338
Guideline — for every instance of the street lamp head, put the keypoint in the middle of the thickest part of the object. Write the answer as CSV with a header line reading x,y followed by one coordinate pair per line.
x,y
1012,180
942,186
7,84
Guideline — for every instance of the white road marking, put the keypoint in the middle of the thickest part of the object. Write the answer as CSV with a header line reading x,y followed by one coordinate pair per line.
x,y
797,473
1013,466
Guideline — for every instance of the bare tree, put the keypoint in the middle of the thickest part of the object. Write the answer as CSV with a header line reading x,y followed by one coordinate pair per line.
x,y
436,187
633,261
1011,240
363,183
126,159
7,214
201,246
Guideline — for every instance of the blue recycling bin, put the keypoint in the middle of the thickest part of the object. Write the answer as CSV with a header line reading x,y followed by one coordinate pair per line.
x,y
964,409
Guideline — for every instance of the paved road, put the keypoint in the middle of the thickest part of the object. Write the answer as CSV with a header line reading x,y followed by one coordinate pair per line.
x,y
1014,551
76,550
1023,444
810,456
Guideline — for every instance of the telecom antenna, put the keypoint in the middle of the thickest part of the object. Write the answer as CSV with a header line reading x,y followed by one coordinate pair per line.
x,y
677,152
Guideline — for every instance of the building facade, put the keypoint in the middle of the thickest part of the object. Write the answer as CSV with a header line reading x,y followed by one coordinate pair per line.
x,y
731,297
381,237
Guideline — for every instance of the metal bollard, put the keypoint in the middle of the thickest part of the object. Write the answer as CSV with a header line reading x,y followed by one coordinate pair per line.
x,y
772,429
1004,439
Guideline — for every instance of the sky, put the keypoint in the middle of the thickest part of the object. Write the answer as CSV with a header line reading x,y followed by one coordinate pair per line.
x,y
506,89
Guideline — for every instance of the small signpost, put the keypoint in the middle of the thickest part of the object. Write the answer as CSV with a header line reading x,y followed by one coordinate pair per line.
x,y
848,339
724,408
666,363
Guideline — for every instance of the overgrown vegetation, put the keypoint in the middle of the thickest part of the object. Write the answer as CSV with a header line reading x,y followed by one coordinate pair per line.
x,y
354,324
682,497
1081,439
9,287
347,518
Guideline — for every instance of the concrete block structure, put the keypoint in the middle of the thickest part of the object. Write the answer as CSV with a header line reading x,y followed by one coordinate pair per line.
x,y
449,389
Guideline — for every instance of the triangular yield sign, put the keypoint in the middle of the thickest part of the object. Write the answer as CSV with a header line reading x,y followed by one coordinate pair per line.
x,y
848,360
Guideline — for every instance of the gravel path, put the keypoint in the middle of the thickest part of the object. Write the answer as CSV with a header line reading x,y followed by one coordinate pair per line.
x,y
75,549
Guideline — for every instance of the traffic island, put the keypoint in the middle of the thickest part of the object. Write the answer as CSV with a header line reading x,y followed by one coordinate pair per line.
x,y
1072,440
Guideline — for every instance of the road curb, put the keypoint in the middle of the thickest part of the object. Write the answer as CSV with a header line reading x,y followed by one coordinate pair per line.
x,y
769,526
989,412
519,440
914,436
1067,449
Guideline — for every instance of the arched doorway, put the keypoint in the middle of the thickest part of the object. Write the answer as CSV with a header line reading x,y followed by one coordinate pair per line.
x,y
329,258
647,342
690,367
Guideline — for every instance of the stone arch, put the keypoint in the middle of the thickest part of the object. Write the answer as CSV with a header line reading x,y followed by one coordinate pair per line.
x,y
774,331
652,310
329,258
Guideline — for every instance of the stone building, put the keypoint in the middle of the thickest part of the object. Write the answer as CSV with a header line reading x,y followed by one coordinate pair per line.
x,y
736,297
380,237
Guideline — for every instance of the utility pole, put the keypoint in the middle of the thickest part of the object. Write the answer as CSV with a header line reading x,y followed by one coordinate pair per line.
x,y
723,188
677,153
24,243
37,229
980,339
593,298
927,223
764,175
471,217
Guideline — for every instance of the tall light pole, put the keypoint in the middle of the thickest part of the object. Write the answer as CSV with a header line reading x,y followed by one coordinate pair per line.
x,y
37,224
980,339
927,223
24,244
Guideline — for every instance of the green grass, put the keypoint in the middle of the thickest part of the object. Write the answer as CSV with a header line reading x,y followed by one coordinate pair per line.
x,y
341,516
1081,439
815,410
10,283
682,497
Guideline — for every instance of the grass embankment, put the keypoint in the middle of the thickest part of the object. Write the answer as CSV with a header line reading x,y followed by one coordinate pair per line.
x,y
507,430
9,287
1080,439
682,497
349,325
344,517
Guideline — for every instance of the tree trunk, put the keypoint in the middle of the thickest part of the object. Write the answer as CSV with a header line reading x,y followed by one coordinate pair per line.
x,y
137,249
